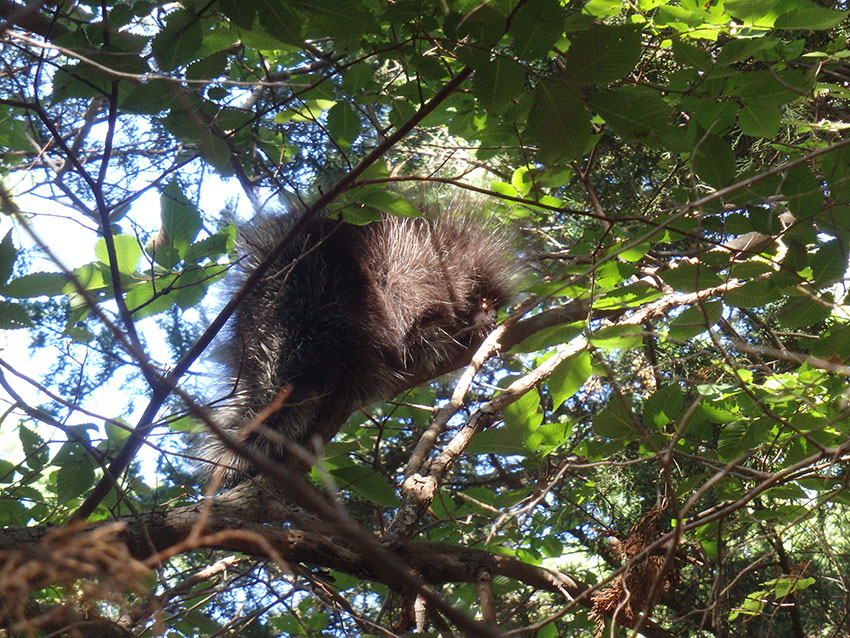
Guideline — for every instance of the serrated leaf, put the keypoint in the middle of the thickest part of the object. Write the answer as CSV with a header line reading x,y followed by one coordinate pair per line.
x,y
558,123
147,298
208,68
828,263
240,12
632,111
551,336
614,422
8,255
127,252
799,312
692,55
602,54
506,441
75,474
695,320
618,337
663,406
740,437
367,483
147,98
535,27
524,414
37,284
752,294
13,316
749,10
343,123
805,197
628,296
35,448
386,201
356,78
179,41
759,119
714,161
547,438
497,82
804,15
180,219
603,9
484,26
687,277
568,377
343,21
835,343
212,247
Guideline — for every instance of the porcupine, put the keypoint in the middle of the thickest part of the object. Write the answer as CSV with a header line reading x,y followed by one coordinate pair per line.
x,y
352,314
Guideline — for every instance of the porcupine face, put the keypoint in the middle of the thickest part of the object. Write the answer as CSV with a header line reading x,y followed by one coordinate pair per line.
x,y
354,314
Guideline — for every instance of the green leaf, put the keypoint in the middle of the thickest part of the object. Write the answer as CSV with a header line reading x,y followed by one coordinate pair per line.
x,y
752,294
802,311
127,252
603,9
692,55
357,78
714,161
558,123
147,98
614,422
688,277
618,337
741,437
535,27
37,284
628,296
386,201
13,316
208,68
524,414
632,111
8,255
367,483
212,247
346,22
343,123
805,15
484,26
829,263
180,219
759,118
835,343
663,406
76,472
179,41
551,336
35,449
602,54
547,438
506,441
805,197
568,377
695,320
749,10
240,12
150,297
497,82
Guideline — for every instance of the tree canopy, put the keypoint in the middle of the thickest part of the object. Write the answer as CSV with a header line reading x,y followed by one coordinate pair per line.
x,y
654,440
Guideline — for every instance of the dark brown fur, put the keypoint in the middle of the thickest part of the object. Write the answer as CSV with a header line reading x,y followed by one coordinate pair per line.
x,y
355,314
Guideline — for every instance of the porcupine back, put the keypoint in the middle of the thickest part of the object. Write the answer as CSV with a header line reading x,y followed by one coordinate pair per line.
x,y
350,315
